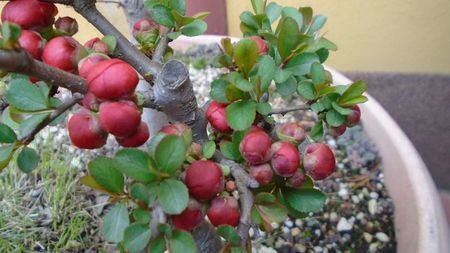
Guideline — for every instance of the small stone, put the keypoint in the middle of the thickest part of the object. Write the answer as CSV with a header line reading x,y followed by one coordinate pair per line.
x,y
351,220
355,199
251,232
265,249
300,247
373,195
289,223
295,231
286,230
318,249
334,217
343,225
372,206
382,237
373,247
298,222
317,232
368,237
360,216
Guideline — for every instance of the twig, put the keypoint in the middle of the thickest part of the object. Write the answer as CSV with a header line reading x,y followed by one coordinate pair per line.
x,y
246,198
110,2
55,114
293,109
161,48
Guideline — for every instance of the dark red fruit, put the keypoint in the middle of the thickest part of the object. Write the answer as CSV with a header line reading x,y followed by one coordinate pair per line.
x,y
86,64
62,52
66,26
217,116
97,45
263,173
354,117
179,129
262,46
224,211
112,79
137,139
29,14
120,118
297,179
337,131
319,161
285,158
32,42
86,132
255,147
204,180
292,132
190,218
90,102
144,25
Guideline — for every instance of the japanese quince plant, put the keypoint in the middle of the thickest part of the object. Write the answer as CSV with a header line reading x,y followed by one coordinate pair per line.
x,y
202,181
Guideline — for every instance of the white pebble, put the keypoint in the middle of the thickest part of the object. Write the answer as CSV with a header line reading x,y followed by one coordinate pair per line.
x,y
360,216
343,192
373,247
286,230
374,195
344,225
265,249
355,199
382,237
333,217
368,237
298,222
318,249
289,223
372,206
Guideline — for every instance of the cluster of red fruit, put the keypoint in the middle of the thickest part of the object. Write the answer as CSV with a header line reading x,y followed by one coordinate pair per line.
x,y
111,82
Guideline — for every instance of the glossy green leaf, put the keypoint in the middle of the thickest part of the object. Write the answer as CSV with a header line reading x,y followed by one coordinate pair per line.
x,y
173,196
10,31
317,23
27,126
241,114
246,53
6,152
170,153
248,19
27,160
162,15
288,87
243,84
263,108
230,151
104,172
158,245
288,38
334,118
341,110
258,6
317,73
134,163
229,234
111,42
179,6
208,149
115,222
197,27
136,237
266,71
139,191
307,13
354,90
293,13
304,200
25,96
307,90
354,101
282,75
218,88
142,216
301,64
273,11
7,135
181,242
317,131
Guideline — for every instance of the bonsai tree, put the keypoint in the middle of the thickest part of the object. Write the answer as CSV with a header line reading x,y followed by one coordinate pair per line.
x,y
176,191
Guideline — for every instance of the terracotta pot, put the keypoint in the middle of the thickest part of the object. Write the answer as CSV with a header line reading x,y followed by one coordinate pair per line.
x,y
420,222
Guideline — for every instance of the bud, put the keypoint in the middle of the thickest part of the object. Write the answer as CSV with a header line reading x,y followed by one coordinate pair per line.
x,y
263,173
285,159
66,26
255,147
29,14
137,139
86,132
62,52
90,102
112,79
297,179
230,186
190,218
291,132
179,129
262,46
121,118
337,131
224,211
144,25
32,42
86,64
97,45
217,116
354,117
196,150
204,179
319,161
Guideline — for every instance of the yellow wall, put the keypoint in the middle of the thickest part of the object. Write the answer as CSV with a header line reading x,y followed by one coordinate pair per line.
x,y
378,35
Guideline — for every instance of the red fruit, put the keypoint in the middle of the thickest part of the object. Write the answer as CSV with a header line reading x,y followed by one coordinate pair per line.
x,y
112,79
297,179
137,139
97,45
217,116
230,186
85,131
319,161
179,129
285,158
292,132
62,52
120,118
262,46
337,131
90,102
190,218
353,118
255,147
263,173
32,42
224,211
66,26
86,64
29,14
204,180
144,25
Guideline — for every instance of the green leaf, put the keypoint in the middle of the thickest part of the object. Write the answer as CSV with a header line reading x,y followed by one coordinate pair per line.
x,y
293,13
6,153
243,84
334,118
229,234
317,73
258,6
218,88
263,108
354,90
170,153
179,6
27,160
195,28
134,163
341,110
317,131
7,120
241,114
307,13
317,23
90,182
115,223
139,191
245,53
162,15
173,196
104,172
318,107
27,126
136,237
7,135
288,87
355,101
181,242
111,42
266,71
25,96
248,19
304,200
158,245
173,35
307,90
301,64
230,151
10,32
288,38
273,11
282,75
208,149
142,216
